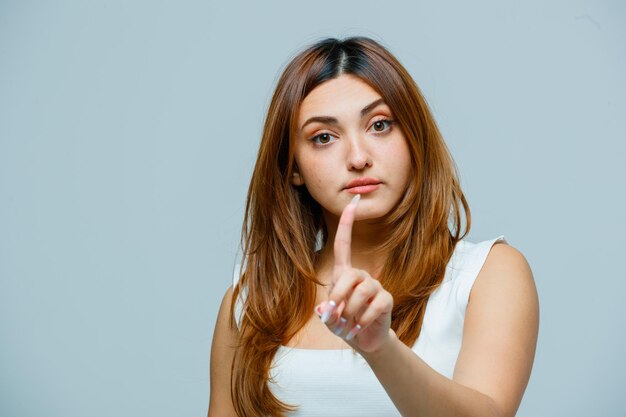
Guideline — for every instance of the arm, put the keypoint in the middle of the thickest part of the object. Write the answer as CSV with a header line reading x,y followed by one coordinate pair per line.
x,y
497,353
220,403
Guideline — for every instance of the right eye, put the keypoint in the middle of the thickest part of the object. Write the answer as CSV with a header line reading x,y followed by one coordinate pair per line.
x,y
324,138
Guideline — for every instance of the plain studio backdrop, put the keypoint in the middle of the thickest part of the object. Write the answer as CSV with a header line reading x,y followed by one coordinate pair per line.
x,y
128,133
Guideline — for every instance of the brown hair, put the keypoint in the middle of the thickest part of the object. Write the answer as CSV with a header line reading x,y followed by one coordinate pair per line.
x,y
282,223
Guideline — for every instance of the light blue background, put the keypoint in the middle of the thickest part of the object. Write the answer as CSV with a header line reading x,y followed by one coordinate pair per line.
x,y
128,131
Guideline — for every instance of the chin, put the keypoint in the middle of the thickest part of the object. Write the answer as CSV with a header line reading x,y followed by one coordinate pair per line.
x,y
369,214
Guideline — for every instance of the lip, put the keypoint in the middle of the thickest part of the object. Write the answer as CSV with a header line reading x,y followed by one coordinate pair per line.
x,y
358,182
363,189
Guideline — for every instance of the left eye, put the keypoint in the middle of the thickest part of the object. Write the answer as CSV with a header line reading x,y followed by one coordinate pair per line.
x,y
381,122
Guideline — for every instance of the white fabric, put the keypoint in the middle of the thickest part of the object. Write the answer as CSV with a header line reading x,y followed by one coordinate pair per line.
x,y
337,382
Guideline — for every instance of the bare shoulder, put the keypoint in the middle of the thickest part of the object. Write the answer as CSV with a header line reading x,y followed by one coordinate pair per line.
x,y
223,329
505,268
222,353
225,333
500,329
225,306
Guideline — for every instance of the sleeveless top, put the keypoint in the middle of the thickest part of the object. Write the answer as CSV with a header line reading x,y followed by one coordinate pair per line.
x,y
339,382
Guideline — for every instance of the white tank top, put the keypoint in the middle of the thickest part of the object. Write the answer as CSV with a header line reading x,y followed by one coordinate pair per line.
x,y
339,382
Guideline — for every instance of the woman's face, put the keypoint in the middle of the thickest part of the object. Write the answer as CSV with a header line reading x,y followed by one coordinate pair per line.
x,y
344,134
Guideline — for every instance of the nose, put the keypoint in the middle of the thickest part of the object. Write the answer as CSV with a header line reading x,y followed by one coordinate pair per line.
x,y
358,155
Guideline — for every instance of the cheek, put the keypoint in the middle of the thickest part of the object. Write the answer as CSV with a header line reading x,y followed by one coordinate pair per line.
x,y
399,159
318,172
395,152
403,155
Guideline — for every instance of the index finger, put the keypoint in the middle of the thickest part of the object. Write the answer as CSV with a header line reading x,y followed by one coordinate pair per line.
x,y
343,236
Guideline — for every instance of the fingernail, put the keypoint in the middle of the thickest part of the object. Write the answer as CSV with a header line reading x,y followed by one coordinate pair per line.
x,y
356,199
330,309
342,323
353,332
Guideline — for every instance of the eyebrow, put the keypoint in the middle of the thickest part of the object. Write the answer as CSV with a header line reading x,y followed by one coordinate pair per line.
x,y
333,121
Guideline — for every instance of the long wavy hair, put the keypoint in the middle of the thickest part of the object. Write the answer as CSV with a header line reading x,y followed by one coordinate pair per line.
x,y
283,225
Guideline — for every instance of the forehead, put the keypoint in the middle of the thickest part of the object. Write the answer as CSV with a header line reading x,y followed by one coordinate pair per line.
x,y
346,93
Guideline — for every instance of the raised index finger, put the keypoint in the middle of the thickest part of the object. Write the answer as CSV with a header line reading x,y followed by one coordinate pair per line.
x,y
343,236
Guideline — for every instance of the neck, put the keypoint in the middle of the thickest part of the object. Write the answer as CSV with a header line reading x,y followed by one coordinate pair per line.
x,y
365,252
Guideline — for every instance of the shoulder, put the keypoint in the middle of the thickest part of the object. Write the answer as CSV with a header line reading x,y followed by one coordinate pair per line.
x,y
501,329
222,354
224,322
505,269
505,275
227,297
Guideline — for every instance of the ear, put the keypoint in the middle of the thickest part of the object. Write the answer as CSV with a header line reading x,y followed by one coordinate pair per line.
x,y
296,177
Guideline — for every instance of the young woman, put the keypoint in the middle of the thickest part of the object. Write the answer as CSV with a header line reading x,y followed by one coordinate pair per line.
x,y
358,295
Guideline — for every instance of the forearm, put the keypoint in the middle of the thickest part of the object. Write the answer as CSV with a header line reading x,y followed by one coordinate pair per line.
x,y
418,390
